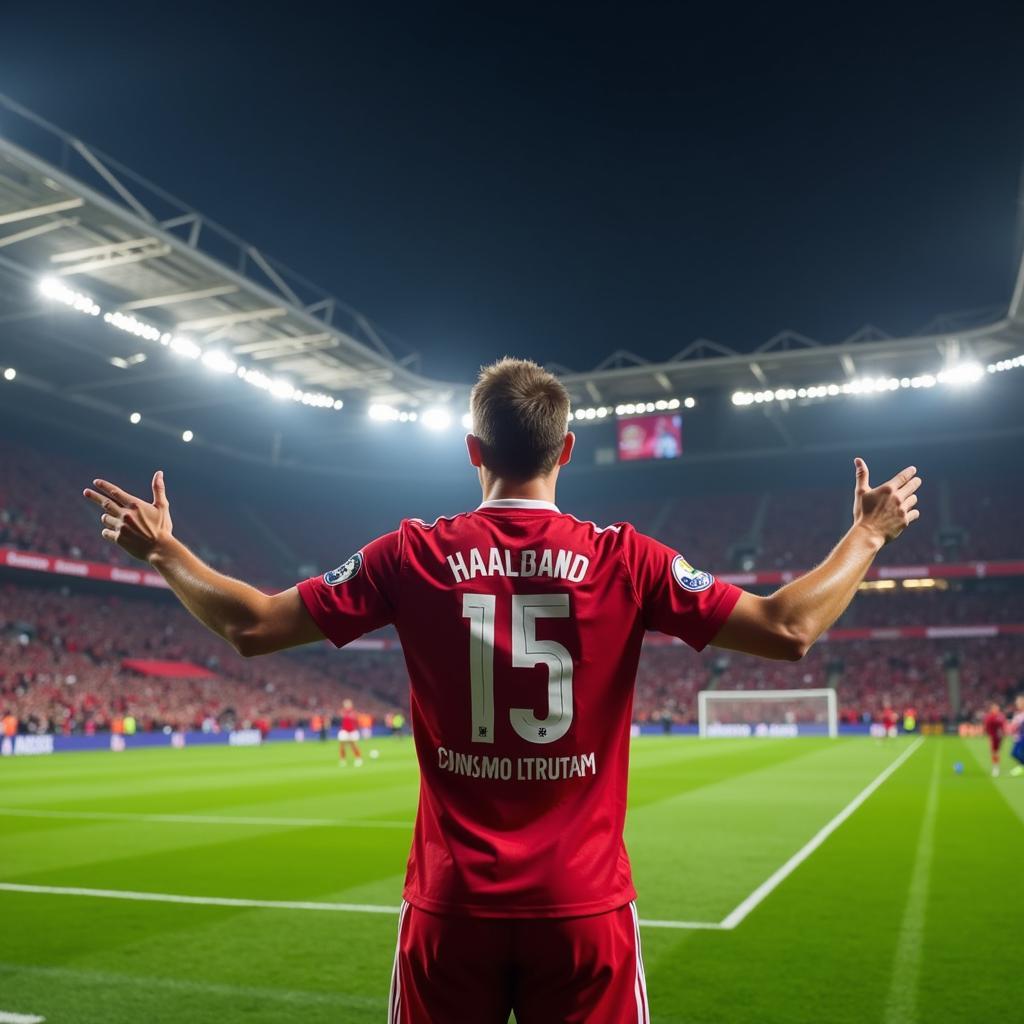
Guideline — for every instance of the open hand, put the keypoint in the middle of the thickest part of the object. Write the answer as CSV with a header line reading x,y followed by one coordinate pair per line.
x,y
886,510
137,526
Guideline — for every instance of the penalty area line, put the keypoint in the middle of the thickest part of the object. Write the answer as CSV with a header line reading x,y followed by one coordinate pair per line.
x,y
736,917
249,904
20,1018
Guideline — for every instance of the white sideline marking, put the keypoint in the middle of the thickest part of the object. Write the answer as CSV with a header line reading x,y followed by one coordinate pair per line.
x,y
228,901
200,819
20,1018
206,901
765,888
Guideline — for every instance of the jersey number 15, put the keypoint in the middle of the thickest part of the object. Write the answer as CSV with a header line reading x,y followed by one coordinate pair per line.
x,y
527,651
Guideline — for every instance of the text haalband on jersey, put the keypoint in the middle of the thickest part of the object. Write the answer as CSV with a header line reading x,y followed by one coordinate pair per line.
x,y
563,565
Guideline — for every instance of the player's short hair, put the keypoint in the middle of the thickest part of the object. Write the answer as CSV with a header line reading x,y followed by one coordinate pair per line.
x,y
520,416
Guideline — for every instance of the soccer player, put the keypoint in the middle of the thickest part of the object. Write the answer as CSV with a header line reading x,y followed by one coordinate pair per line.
x,y
889,721
1016,730
348,735
522,628
994,727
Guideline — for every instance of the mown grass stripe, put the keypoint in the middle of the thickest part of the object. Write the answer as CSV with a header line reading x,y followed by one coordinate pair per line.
x,y
901,1005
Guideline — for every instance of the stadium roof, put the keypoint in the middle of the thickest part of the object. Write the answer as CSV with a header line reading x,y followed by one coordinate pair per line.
x,y
178,285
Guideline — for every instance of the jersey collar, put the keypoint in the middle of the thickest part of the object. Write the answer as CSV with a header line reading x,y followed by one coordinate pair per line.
x,y
518,503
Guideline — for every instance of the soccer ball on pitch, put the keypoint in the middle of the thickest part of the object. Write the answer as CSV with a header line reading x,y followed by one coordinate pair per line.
x,y
374,754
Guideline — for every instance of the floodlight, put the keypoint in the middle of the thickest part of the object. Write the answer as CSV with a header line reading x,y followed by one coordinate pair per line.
x,y
437,418
219,362
136,417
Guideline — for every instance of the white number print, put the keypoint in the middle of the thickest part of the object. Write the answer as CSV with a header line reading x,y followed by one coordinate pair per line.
x,y
527,651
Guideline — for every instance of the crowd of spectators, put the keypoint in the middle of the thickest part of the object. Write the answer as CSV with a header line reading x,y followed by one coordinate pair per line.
x,y
62,669
42,510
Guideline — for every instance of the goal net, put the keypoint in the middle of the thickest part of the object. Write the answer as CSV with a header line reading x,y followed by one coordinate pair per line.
x,y
771,713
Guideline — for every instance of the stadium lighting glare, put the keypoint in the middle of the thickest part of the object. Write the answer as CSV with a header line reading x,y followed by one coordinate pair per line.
x,y
437,418
1006,364
10,373
219,362
131,325
136,417
55,289
382,413
964,373
467,421
187,435
690,403
185,347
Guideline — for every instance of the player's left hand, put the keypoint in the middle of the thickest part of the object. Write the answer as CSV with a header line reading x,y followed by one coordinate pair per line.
x,y
137,526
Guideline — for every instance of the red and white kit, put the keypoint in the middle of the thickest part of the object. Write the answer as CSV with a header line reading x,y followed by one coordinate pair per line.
x,y
522,630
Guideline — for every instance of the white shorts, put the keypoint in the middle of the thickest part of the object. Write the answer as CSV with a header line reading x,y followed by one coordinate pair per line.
x,y
346,736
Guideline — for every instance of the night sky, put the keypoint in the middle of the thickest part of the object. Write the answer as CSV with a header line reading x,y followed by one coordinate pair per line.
x,y
561,180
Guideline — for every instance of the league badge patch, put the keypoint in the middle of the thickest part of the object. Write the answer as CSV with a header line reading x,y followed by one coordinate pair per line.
x,y
694,580
345,571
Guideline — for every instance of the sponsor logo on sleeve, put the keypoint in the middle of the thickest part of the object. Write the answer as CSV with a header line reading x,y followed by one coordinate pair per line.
x,y
694,580
345,571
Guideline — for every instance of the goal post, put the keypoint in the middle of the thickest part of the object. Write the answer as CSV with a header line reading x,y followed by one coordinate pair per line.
x,y
768,713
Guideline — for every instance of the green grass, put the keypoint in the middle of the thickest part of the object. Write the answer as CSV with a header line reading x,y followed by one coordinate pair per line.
x,y
900,916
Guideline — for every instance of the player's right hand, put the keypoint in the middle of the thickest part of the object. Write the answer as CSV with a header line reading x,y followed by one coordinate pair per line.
x,y
139,527
887,510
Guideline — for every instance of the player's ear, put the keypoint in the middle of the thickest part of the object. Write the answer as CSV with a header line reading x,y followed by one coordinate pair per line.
x,y
473,446
570,441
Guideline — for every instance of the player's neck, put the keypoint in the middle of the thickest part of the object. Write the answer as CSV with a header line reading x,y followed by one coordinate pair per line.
x,y
538,489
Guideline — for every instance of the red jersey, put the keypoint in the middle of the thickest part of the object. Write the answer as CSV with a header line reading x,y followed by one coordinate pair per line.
x,y
522,630
889,719
349,722
994,724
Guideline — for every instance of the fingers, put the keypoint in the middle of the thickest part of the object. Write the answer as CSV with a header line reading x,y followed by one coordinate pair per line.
x,y
909,503
915,514
903,476
159,490
105,503
861,469
116,493
909,487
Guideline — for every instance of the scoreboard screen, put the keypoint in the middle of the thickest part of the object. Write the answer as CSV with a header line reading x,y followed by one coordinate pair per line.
x,y
650,437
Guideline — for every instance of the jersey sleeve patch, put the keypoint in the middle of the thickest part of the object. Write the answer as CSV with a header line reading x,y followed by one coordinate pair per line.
x,y
346,571
693,580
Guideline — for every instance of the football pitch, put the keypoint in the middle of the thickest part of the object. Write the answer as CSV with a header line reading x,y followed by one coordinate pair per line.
x,y
780,881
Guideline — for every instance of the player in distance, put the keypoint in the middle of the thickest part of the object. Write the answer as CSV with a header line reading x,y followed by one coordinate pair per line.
x,y
994,726
522,628
348,735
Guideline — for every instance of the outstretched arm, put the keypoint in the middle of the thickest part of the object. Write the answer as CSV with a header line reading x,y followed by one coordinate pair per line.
x,y
786,624
251,621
